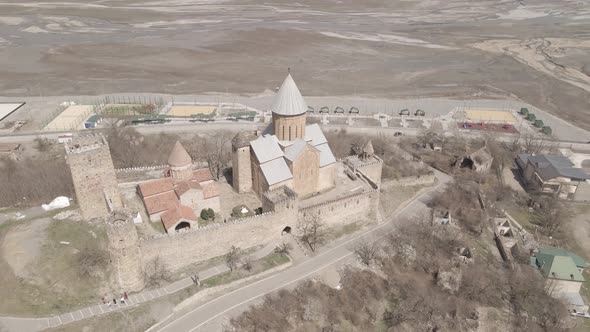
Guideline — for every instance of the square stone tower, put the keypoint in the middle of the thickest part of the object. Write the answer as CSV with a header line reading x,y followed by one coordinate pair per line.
x,y
241,163
93,175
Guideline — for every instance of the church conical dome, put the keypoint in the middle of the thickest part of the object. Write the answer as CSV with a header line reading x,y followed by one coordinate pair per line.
x,y
288,101
179,157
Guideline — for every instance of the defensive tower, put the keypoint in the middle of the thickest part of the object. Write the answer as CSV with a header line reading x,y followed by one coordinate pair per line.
x,y
125,251
241,163
93,175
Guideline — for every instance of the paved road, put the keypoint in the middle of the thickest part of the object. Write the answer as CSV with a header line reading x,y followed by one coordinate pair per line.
x,y
233,126
199,318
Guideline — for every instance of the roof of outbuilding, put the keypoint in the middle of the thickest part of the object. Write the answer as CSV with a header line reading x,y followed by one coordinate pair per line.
x,y
276,171
326,155
266,148
171,217
288,100
558,267
579,261
179,157
156,187
551,166
314,134
160,202
202,175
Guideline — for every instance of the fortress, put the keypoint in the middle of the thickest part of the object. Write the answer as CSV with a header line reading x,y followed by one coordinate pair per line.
x,y
289,166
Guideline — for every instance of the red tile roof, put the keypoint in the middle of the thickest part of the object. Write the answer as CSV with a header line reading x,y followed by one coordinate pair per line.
x,y
156,187
210,190
161,202
184,186
202,175
173,216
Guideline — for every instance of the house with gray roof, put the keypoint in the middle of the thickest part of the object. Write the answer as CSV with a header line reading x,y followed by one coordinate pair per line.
x,y
551,174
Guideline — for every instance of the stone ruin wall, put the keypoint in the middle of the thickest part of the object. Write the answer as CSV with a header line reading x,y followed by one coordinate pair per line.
x,y
185,248
346,210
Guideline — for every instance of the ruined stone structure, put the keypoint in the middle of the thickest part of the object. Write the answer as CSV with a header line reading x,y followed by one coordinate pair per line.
x,y
288,153
125,251
93,175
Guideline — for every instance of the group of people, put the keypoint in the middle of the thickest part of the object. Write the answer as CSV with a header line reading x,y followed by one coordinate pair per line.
x,y
123,300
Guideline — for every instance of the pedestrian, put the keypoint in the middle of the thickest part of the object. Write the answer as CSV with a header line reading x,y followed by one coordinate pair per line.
x,y
126,296
103,300
114,301
122,300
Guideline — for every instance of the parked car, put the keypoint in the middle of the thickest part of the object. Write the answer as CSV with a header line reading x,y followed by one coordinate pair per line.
x,y
397,133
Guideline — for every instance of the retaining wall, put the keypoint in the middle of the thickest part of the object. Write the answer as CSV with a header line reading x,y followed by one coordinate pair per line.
x,y
422,180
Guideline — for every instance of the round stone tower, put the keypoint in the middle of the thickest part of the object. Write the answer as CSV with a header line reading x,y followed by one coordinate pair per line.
x,y
288,112
181,164
125,251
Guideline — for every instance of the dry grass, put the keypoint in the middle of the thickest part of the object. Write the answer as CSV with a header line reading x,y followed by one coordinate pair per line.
x,y
57,284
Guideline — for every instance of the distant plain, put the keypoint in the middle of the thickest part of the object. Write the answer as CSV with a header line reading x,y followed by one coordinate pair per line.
x,y
536,51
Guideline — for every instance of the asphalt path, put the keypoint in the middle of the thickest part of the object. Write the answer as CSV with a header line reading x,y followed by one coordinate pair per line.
x,y
200,317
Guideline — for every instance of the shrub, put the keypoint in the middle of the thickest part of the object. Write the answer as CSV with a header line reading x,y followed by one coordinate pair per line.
x,y
204,214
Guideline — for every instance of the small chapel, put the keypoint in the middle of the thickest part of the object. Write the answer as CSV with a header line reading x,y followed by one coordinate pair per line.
x,y
287,153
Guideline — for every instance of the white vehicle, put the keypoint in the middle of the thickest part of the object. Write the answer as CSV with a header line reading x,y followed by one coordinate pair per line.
x,y
65,138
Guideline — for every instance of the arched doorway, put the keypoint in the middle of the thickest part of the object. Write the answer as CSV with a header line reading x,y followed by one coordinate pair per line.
x,y
286,230
182,225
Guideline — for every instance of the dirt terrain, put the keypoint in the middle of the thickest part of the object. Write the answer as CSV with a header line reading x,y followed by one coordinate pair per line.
x,y
535,51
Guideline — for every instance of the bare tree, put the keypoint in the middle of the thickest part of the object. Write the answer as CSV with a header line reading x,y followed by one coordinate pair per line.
x,y
366,252
157,273
218,152
312,231
283,249
91,260
247,263
232,258
550,214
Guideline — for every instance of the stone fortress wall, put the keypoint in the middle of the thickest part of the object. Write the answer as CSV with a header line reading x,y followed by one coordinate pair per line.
x,y
199,244
344,210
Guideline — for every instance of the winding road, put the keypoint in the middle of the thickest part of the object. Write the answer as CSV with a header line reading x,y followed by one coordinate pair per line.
x,y
209,316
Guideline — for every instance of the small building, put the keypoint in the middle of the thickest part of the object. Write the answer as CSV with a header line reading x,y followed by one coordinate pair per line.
x,y
176,199
12,151
479,161
563,272
551,174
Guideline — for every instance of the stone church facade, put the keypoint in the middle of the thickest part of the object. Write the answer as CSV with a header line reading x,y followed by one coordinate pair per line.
x,y
288,153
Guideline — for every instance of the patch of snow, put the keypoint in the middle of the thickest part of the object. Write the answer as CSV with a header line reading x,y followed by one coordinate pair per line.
x,y
34,29
521,13
10,20
384,38
58,203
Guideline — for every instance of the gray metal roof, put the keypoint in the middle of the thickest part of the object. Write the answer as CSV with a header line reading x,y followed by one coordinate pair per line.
x,y
276,171
293,150
551,166
266,148
326,155
288,101
314,134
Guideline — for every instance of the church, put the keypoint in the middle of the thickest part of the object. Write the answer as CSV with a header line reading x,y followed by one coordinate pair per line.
x,y
287,153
